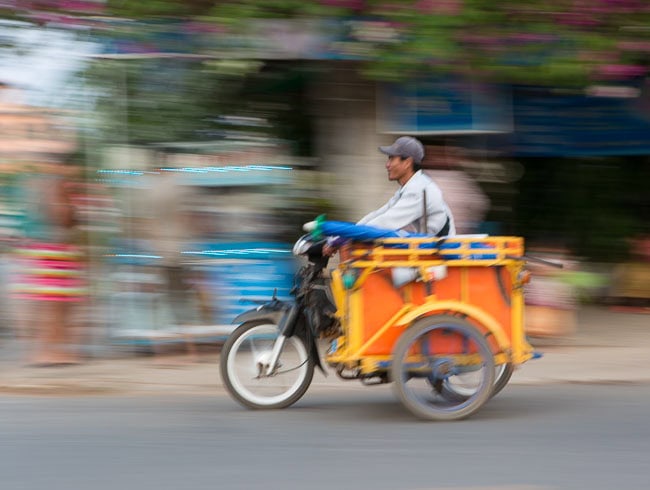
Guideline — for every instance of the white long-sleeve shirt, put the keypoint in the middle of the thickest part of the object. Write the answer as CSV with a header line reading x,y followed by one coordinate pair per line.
x,y
403,211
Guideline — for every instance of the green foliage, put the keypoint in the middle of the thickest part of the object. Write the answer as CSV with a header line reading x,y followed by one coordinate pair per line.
x,y
148,101
147,9
591,206
151,100
555,42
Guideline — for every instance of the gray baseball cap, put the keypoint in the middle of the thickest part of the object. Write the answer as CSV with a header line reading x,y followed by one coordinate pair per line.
x,y
405,146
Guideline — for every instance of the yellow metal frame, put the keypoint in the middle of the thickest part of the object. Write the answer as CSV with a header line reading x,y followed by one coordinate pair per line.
x,y
424,253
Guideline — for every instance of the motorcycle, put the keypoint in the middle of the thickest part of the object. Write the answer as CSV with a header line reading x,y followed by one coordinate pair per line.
x,y
436,337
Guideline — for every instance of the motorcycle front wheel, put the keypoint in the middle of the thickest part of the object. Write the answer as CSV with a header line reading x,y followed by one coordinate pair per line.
x,y
244,358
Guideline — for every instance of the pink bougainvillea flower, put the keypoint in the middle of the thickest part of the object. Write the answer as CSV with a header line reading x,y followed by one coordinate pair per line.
x,y
440,7
621,71
634,45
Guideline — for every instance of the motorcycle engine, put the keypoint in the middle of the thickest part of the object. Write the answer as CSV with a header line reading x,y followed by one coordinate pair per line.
x,y
322,313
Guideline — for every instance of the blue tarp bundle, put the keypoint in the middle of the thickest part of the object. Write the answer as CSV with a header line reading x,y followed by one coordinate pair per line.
x,y
361,233
344,231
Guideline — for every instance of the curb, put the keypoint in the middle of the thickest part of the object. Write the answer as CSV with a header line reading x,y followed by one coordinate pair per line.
x,y
67,389
101,388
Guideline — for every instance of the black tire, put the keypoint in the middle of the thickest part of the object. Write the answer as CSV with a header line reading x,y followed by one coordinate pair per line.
x,y
418,385
503,378
503,373
259,337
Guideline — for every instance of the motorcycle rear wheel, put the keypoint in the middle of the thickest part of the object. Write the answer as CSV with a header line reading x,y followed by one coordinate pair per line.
x,y
419,366
244,356
453,391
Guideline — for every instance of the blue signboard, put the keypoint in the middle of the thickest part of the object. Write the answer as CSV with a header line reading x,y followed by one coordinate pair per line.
x,y
443,107
579,125
242,273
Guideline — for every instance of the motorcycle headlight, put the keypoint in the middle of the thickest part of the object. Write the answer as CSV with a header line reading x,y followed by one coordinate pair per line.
x,y
302,245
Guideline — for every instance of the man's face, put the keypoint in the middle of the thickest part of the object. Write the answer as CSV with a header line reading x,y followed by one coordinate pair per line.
x,y
397,168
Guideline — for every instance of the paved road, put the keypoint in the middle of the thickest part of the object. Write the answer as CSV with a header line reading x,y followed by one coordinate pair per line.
x,y
528,438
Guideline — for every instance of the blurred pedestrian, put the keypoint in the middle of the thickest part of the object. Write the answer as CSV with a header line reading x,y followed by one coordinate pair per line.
x,y
9,233
169,233
51,273
467,201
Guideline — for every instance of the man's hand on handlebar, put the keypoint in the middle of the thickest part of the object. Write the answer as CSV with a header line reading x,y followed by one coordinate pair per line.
x,y
332,245
329,250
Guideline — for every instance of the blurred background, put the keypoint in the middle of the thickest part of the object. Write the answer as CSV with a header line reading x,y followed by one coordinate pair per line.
x,y
158,158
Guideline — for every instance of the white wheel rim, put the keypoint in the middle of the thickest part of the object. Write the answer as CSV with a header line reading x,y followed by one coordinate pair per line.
x,y
234,374
465,384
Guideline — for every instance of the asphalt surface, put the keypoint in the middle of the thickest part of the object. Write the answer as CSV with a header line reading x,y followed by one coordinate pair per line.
x,y
551,436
